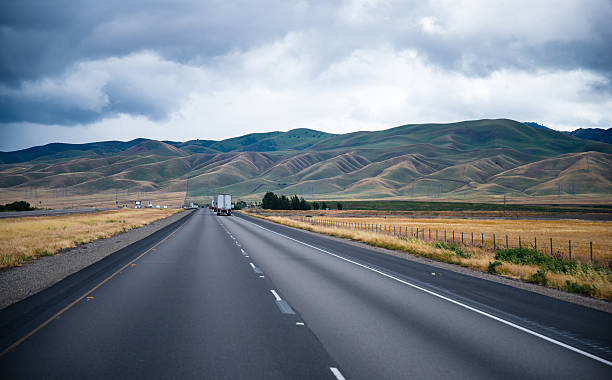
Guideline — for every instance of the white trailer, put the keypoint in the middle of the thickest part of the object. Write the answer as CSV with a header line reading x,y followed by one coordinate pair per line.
x,y
224,204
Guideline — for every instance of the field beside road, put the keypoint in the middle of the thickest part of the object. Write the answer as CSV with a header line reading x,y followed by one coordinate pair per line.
x,y
554,270
26,238
67,199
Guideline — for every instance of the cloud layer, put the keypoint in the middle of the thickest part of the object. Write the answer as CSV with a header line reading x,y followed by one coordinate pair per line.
x,y
83,71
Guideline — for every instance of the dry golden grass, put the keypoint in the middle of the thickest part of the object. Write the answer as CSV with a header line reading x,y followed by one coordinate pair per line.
x,y
25,238
477,258
580,232
49,198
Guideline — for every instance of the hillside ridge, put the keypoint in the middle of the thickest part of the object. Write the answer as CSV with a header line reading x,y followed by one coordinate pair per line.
x,y
489,156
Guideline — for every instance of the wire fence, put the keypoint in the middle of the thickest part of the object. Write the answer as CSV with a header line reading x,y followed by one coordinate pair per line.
x,y
557,248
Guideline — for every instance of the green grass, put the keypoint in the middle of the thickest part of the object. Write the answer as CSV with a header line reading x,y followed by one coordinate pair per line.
x,y
453,248
574,287
391,205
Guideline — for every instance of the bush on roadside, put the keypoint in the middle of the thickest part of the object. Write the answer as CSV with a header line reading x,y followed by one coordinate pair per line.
x,y
538,277
492,267
526,256
453,248
586,289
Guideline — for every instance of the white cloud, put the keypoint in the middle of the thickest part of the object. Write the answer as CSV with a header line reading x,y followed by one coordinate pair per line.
x,y
370,89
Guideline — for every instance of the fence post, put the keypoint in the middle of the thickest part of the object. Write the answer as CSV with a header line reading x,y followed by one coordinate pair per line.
x,y
417,235
591,244
551,251
535,243
461,237
453,236
482,239
570,249
472,238
444,235
519,241
423,233
506,241
430,234
436,235
393,229
494,242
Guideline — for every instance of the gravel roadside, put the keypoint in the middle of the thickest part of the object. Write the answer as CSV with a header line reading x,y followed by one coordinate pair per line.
x,y
18,283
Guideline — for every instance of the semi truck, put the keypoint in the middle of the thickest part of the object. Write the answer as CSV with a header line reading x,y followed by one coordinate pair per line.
x,y
223,205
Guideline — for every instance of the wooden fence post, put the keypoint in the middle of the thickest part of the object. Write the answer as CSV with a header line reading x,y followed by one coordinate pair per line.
x,y
506,241
591,245
494,242
569,242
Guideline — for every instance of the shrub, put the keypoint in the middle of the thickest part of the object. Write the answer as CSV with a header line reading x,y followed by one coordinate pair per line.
x,y
538,277
492,267
17,206
574,287
453,248
526,256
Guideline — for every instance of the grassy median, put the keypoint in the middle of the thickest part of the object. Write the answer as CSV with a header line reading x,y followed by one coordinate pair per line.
x,y
26,238
523,264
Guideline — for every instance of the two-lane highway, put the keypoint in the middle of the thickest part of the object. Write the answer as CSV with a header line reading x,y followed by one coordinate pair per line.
x,y
237,297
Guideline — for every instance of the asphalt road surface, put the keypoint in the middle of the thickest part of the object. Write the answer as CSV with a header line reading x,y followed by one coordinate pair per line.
x,y
237,297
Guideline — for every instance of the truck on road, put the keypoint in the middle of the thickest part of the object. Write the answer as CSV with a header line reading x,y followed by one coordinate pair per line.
x,y
224,204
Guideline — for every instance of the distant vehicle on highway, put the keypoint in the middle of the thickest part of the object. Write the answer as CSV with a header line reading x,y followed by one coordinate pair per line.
x,y
149,204
224,204
137,204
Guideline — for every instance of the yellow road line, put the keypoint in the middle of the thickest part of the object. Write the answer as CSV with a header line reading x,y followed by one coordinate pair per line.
x,y
17,343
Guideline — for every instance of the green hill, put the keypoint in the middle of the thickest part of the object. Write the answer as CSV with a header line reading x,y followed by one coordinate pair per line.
x,y
498,156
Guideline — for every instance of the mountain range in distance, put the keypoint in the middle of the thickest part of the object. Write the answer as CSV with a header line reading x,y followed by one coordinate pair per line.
x,y
469,158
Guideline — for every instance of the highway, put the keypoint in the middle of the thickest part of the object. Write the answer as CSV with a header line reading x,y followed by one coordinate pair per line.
x,y
238,297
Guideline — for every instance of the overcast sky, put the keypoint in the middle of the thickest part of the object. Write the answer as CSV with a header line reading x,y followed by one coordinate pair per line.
x,y
81,71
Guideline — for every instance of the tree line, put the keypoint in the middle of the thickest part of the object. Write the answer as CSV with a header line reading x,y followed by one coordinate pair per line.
x,y
272,201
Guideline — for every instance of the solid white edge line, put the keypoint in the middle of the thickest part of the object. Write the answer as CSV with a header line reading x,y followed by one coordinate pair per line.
x,y
483,313
337,373
275,295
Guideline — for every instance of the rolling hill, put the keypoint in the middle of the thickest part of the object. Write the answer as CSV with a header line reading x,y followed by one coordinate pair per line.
x,y
484,157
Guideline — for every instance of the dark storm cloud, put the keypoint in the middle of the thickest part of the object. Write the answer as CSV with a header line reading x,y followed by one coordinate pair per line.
x,y
45,43
42,38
